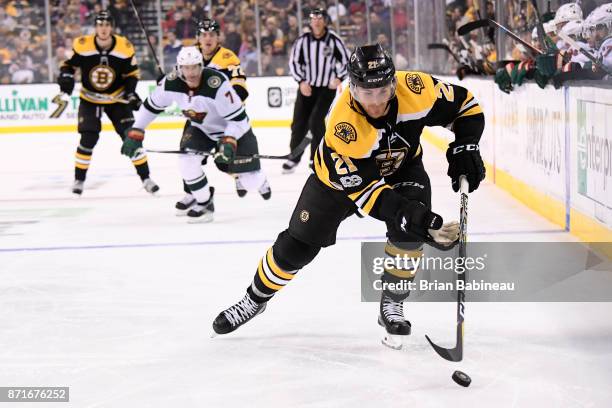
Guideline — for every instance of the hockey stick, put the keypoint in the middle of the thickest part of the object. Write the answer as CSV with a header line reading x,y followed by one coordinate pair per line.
x,y
62,104
144,30
299,149
474,25
456,353
540,26
104,97
584,52
439,46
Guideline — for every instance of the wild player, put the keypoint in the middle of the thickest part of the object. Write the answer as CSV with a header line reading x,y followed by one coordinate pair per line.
x,y
566,13
224,60
216,118
370,162
598,29
109,72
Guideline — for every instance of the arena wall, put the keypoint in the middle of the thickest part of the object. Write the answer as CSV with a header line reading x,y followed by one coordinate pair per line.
x,y
551,149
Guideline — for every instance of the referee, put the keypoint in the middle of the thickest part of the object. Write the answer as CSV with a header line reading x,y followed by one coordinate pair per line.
x,y
318,63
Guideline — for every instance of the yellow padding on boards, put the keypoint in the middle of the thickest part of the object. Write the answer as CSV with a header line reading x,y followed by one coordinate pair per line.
x,y
108,127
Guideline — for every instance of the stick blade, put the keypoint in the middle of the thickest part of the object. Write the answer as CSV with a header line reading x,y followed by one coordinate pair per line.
x,y
299,149
437,46
471,26
455,354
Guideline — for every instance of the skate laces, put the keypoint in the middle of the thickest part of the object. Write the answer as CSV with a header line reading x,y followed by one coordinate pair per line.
x,y
241,311
392,310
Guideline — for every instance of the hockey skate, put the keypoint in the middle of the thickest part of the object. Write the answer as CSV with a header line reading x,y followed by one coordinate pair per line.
x,y
265,191
77,187
150,186
391,319
289,166
240,190
235,316
184,205
202,212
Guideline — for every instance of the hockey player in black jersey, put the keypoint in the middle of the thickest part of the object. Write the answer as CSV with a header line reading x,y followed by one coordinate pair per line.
x,y
370,161
109,74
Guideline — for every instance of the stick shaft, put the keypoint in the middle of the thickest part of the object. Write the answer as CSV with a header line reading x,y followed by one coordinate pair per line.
x,y
144,30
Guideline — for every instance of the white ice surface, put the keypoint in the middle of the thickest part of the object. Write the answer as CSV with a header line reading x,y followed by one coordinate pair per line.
x,y
112,295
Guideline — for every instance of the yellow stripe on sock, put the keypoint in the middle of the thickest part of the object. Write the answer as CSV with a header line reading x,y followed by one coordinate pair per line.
x,y
265,280
275,268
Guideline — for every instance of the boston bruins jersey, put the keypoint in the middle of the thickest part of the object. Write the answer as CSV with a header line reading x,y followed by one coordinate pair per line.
x,y
358,152
104,73
226,61
213,107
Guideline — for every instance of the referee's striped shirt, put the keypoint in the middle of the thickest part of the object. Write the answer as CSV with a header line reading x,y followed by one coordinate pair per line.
x,y
316,61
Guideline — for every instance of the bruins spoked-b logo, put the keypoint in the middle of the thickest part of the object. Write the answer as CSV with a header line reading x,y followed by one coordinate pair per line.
x,y
345,132
101,77
415,83
304,216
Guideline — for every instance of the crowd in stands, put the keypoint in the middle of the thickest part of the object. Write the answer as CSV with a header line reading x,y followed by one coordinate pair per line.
x,y
24,44
23,47
476,52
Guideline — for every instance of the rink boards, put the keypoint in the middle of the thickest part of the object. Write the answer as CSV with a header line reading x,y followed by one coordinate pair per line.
x,y
551,149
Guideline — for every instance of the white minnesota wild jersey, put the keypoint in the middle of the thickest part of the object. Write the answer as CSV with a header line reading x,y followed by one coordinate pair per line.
x,y
213,107
605,52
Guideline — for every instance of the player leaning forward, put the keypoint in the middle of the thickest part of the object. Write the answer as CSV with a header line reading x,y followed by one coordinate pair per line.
x,y
370,161
109,72
216,120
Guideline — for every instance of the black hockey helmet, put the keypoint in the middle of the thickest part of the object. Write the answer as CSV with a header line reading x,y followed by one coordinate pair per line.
x,y
319,12
104,15
208,25
371,67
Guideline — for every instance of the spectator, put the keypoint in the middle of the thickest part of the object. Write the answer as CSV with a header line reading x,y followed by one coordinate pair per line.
x,y
171,50
293,30
185,27
271,32
334,12
7,23
232,39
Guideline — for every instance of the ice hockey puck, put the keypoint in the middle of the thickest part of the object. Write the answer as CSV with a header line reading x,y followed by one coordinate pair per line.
x,y
462,378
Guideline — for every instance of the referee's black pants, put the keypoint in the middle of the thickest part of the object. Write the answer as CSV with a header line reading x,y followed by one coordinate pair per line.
x,y
309,114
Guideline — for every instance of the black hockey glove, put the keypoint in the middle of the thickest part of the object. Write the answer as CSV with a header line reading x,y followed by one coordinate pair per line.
x,y
134,101
414,217
465,160
65,80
